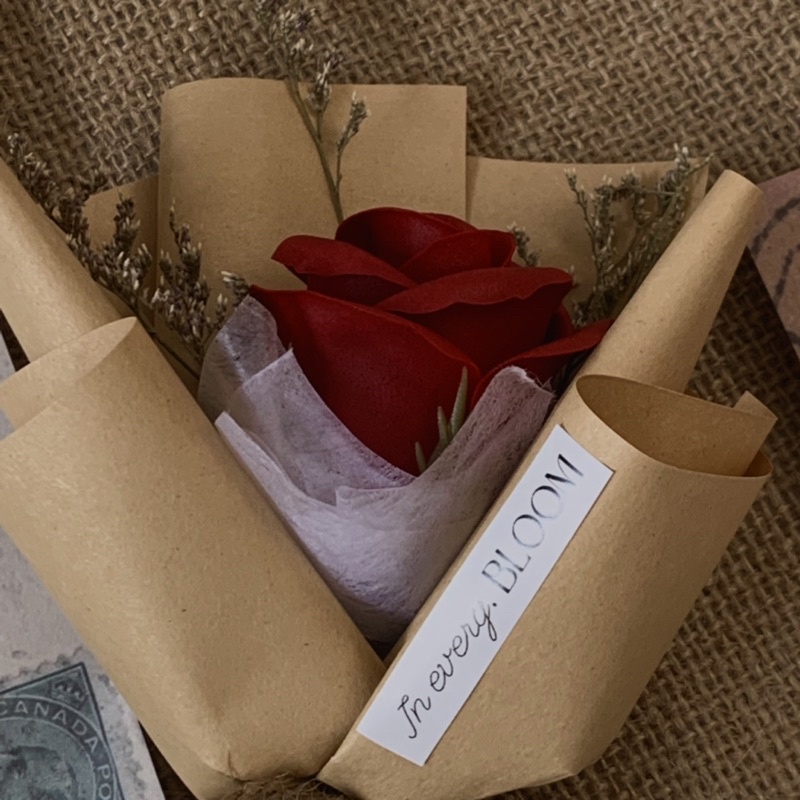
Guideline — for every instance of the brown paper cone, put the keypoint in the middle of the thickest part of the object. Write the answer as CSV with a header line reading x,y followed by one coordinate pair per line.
x,y
46,295
563,683
181,580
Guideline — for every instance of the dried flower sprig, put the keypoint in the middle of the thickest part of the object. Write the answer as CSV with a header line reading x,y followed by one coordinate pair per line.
x,y
33,173
122,266
529,257
183,294
236,285
448,428
289,30
657,214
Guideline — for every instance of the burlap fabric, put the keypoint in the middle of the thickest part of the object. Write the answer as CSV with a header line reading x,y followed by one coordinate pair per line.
x,y
561,80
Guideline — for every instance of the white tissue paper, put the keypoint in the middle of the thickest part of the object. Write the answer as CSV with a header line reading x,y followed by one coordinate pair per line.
x,y
381,538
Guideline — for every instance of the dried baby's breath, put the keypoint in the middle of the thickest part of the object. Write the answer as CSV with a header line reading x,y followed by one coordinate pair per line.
x,y
290,30
238,287
122,266
32,172
183,295
530,258
656,215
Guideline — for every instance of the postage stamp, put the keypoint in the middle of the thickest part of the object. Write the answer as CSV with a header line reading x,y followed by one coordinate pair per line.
x,y
52,742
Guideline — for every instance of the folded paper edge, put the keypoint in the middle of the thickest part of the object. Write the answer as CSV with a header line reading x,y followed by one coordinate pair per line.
x,y
352,747
29,391
750,421
45,293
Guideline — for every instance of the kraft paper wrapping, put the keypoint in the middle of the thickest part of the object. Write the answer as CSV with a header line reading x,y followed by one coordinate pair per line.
x,y
226,691
235,157
46,295
36,642
176,574
686,472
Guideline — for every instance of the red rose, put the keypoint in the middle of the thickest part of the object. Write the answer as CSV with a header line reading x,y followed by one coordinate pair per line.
x,y
399,303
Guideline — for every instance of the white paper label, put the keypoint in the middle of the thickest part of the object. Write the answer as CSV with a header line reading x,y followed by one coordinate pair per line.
x,y
431,681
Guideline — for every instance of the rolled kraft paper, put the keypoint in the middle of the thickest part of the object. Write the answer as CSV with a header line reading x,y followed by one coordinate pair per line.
x,y
562,684
177,575
659,335
243,172
45,293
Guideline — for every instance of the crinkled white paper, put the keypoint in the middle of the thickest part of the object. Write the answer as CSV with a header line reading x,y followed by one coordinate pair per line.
x,y
381,538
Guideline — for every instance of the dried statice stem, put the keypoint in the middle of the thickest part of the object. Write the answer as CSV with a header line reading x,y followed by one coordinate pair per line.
x,y
529,257
183,294
358,115
288,29
236,285
33,173
657,214
122,266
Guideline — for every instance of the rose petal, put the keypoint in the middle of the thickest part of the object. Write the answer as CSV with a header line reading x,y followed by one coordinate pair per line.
x,y
383,376
560,326
461,252
545,361
395,234
490,314
458,224
339,269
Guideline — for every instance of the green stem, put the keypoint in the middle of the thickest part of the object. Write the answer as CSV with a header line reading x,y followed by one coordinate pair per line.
x,y
333,189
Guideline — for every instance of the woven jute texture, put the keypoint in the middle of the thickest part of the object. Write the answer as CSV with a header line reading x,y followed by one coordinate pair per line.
x,y
553,80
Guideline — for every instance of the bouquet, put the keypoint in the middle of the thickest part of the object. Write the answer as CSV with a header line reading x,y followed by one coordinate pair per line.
x,y
411,454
